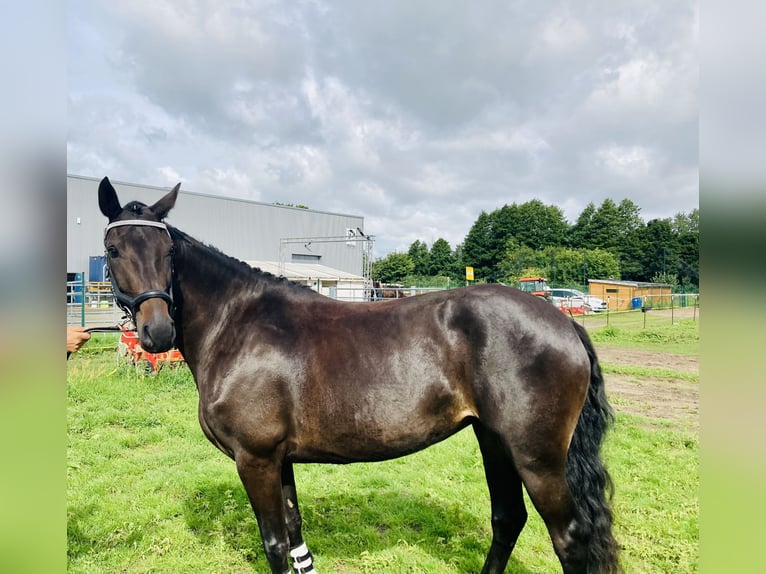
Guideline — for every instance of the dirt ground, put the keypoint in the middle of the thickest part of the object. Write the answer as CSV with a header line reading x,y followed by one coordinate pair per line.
x,y
670,399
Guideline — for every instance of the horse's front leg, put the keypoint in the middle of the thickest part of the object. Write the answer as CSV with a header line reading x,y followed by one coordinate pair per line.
x,y
303,561
261,477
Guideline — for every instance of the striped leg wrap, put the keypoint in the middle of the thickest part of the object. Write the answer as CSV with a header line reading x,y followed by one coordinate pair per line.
x,y
303,563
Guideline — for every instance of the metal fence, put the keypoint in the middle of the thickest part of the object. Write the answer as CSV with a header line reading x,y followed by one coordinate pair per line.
x,y
92,304
652,310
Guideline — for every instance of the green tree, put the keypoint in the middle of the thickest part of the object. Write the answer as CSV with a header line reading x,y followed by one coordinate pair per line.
x,y
604,229
628,245
540,225
532,224
518,262
562,266
686,228
631,252
457,266
440,258
669,278
477,249
600,264
392,268
684,223
568,267
616,228
629,217
578,233
660,249
420,256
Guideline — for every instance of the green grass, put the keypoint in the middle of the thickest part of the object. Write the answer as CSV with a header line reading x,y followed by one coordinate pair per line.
x,y
681,337
650,372
148,493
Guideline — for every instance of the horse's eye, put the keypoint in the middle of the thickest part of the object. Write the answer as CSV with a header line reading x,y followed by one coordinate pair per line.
x,y
112,251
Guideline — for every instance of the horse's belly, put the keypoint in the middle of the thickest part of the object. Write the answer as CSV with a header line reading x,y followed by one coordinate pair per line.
x,y
362,438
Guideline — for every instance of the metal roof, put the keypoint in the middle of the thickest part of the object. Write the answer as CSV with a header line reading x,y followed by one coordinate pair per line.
x,y
629,283
225,197
301,271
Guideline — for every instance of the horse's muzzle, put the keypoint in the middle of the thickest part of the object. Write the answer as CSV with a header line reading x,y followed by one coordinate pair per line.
x,y
156,329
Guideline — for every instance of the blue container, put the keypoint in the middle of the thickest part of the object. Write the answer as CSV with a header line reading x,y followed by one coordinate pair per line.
x,y
96,268
637,302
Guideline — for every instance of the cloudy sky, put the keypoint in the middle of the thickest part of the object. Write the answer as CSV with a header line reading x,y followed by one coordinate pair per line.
x,y
415,115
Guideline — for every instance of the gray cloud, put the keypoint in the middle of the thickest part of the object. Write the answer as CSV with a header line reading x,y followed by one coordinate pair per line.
x,y
415,115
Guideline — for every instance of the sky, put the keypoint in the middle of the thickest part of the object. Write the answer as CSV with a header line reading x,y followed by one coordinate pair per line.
x,y
417,116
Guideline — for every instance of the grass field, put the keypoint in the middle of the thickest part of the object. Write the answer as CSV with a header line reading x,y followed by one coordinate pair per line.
x,y
148,493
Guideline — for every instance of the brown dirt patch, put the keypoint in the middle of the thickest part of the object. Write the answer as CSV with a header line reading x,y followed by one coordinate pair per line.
x,y
643,358
672,400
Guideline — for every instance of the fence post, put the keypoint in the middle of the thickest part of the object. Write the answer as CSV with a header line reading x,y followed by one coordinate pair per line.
x,y
696,304
82,299
671,309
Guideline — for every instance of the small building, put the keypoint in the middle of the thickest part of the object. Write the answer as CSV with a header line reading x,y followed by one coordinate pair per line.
x,y
333,283
626,295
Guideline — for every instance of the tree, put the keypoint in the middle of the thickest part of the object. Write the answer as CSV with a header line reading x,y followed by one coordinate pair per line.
x,y
532,224
600,264
686,227
629,217
440,258
540,225
659,249
477,247
562,266
420,256
684,223
578,233
392,268
518,262
457,265
604,229
616,228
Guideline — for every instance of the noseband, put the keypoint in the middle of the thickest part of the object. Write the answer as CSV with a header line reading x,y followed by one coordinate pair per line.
x,y
130,304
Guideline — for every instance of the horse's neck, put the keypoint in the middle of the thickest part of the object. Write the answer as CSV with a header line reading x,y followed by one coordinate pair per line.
x,y
203,285
213,290
201,271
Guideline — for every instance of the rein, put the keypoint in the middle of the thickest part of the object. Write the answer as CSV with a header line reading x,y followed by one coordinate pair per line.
x,y
129,304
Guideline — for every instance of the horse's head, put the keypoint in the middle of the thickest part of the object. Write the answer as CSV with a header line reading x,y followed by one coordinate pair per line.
x,y
139,256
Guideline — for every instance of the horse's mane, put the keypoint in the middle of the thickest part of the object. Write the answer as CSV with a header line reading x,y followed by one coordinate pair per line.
x,y
231,265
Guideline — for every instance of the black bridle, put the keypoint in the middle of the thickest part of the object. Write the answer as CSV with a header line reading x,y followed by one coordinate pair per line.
x,y
130,304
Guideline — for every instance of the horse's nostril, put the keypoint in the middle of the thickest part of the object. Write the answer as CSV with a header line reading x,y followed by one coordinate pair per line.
x,y
157,336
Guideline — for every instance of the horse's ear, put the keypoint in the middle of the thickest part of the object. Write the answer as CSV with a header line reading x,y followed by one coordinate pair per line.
x,y
107,199
164,205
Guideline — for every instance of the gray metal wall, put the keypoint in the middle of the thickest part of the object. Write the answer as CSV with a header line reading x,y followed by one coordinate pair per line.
x,y
243,229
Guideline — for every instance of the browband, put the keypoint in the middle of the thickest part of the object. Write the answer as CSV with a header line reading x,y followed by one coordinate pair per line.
x,y
136,222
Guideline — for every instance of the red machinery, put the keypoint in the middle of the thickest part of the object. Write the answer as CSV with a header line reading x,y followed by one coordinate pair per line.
x,y
130,347
535,285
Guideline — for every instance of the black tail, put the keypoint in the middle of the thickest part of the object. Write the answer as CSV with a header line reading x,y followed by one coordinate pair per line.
x,y
588,480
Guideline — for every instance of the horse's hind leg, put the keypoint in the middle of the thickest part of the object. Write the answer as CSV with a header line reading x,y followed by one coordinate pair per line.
x,y
507,500
303,561
547,488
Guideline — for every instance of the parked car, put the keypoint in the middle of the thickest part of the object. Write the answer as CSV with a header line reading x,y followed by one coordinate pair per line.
x,y
574,298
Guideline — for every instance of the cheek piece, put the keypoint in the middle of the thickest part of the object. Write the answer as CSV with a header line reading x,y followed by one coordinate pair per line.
x,y
129,304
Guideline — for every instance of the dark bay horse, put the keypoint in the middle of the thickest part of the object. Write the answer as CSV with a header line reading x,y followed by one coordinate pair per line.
x,y
286,375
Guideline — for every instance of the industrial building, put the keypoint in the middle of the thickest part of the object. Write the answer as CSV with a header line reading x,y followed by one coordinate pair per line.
x,y
247,230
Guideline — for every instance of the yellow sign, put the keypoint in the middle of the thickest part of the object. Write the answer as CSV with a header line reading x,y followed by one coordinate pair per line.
x,y
469,273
